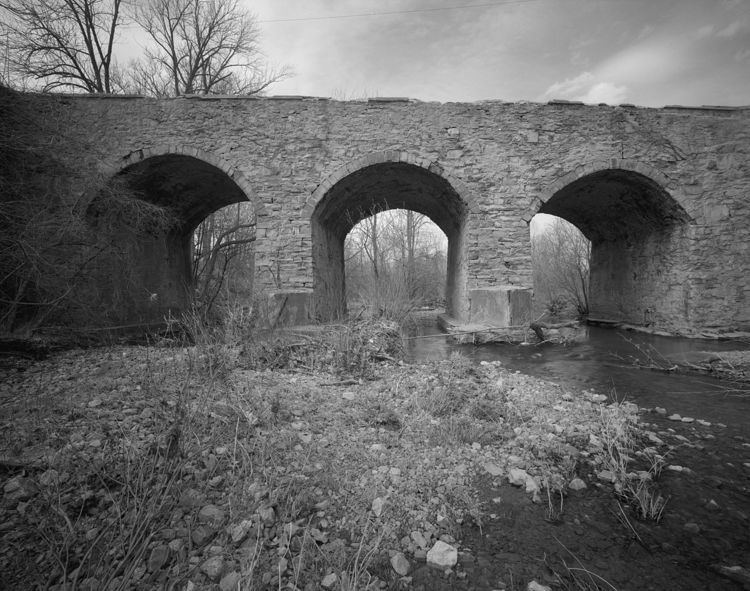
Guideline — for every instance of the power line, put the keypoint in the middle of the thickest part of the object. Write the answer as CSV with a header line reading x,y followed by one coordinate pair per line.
x,y
392,12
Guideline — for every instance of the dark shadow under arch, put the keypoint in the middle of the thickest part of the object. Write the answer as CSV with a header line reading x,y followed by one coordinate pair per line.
x,y
153,277
615,204
378,187
639,237
188,186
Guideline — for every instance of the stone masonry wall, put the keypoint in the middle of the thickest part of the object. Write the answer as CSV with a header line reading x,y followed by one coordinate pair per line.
x,y
505,160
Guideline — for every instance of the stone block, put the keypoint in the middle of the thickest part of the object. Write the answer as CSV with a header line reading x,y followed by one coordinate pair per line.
x,y
290,307
500,306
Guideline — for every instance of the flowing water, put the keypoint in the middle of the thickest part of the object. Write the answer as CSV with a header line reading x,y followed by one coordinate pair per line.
x,y
707,518
604,360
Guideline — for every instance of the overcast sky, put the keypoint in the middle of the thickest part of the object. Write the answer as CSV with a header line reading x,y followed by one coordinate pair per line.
x,y
646,52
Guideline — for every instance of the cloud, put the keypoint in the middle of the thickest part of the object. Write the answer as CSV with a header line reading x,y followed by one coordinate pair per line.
x,y
570,86
606,92
732,29
585,87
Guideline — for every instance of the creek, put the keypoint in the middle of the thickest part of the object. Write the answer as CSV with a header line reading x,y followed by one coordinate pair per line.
x,y
607,360
707,517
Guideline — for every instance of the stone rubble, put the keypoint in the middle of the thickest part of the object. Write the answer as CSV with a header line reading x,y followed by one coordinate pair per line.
x,y
220,540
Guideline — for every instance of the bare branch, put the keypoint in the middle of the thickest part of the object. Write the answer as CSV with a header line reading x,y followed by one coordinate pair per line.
x,y
62,43
205,47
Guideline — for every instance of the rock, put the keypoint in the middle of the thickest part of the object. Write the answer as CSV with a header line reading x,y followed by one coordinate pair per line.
x,y
654,439
704,423
442,555
267,515
577,484
176,545
19,489
329,581
419,539
158,558
661,411
377,506
687,419
348,395
211,515
230,581
692,528
400,564
606,475
212,567
531,485
49,477
534,586
517,477
675,417
493,469
240,530
201,534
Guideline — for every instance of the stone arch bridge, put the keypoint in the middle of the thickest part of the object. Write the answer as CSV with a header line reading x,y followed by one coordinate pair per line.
x,y
663,195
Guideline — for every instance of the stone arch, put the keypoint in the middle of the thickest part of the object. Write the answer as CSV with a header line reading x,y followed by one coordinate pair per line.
x,y
192,184
646,175
640,238
136,157
383,180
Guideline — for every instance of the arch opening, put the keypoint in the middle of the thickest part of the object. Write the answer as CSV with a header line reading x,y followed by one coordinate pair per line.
x,y
638,235
381,187
560,260
395,262
151,273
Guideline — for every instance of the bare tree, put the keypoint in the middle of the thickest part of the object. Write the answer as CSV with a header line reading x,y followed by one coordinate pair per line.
x,y
224,238
561,255
61,43
395,260
200,46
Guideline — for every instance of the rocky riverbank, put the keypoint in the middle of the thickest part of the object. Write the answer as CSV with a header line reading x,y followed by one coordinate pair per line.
x,y
200,468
